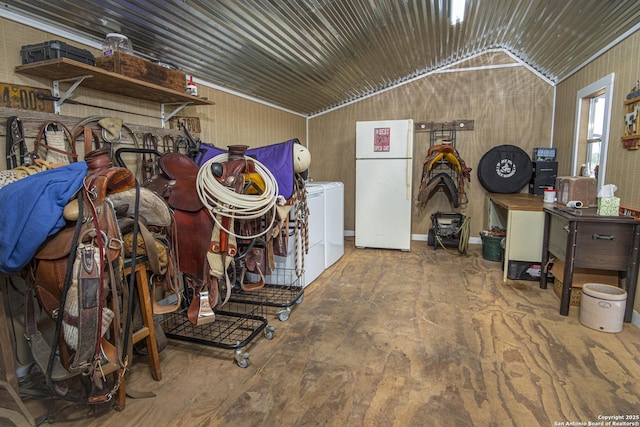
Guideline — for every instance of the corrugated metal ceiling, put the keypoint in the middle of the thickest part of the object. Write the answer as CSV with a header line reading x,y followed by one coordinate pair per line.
x,y
308,56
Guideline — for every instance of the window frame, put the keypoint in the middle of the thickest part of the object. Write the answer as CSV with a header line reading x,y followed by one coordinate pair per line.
x,y
604,86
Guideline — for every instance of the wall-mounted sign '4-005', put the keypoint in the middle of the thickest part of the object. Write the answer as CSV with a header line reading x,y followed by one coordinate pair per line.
x,y
25,98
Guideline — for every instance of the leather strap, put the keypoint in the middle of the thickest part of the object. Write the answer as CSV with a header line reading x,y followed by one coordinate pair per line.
x,y
16,144
168,144
88,264
90,138
253,262
149,162
40,349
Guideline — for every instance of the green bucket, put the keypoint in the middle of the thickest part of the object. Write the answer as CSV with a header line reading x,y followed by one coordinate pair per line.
x,y
491,247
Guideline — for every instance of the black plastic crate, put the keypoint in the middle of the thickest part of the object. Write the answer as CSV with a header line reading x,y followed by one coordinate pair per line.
x,y
544,169
55,49
526,270
538,185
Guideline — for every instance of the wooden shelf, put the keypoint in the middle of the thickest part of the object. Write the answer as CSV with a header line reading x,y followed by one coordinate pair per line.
x,y
631,100
632,136
106,81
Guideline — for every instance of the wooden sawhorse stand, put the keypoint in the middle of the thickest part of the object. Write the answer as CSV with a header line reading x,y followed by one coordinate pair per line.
x,y
147,332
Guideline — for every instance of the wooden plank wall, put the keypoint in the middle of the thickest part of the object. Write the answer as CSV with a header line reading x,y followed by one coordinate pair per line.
x,y
623,166
510,105
232,120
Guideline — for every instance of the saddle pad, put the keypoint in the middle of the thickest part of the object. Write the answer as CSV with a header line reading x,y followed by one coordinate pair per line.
x,y
31,210
277,158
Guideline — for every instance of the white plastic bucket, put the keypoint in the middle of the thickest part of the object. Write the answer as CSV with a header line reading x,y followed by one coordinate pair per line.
x,y
602,307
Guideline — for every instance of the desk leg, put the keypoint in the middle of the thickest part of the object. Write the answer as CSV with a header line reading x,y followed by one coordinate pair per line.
x,y
569,262
632,275
544,267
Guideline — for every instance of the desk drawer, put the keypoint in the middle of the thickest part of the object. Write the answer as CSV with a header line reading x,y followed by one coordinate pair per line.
x,y
558,233
604,245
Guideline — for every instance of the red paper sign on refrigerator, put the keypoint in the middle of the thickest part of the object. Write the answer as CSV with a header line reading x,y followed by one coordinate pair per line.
x,y
381,141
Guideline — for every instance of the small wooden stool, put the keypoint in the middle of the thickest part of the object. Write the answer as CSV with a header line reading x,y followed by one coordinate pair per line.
x,y
147,331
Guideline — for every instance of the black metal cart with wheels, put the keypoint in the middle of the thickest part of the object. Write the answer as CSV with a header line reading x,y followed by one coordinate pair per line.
x,y
283,289
233,328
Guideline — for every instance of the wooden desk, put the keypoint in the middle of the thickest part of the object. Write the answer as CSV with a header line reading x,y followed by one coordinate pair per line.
x,y
581,238
522,216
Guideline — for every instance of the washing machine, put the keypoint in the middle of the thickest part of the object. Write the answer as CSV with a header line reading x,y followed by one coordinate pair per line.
x,y
333,220
314,260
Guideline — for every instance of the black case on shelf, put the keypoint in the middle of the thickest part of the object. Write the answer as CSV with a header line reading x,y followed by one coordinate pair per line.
x,y
55,49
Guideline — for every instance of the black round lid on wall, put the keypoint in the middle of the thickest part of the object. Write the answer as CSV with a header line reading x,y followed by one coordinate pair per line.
x,y
504,169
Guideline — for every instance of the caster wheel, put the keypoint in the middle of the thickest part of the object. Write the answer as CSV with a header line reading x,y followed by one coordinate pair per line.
x,y
268,334
241,357
299,300
283,315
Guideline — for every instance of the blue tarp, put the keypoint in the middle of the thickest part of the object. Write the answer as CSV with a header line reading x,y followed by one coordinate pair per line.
x,y
31,210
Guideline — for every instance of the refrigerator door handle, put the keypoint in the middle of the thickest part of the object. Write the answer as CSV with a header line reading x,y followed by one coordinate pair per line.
x,y
408,179
410,139
409,159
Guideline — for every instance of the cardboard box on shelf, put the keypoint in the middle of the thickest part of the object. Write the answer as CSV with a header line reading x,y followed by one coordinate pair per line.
x,y
576,188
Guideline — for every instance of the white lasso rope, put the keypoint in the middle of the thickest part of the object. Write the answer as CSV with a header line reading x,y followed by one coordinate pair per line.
x,y
221,200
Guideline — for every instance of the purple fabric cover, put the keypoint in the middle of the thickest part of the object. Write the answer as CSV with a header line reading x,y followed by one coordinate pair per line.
x,y
278,158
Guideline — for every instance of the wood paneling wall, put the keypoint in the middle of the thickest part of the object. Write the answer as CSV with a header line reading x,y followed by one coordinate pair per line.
x,y
623,166
235,120
232,120
510,105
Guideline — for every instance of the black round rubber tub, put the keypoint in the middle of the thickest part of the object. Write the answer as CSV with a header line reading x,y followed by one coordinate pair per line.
x,y
504,169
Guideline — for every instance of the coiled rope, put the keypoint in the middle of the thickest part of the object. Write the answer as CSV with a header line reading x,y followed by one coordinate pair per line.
x,y
465,232
223,201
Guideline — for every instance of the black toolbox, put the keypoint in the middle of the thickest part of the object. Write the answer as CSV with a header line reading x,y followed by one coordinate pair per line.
x,y
55,49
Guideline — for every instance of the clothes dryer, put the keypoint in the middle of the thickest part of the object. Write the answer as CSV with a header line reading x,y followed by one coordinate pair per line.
x,y
333,220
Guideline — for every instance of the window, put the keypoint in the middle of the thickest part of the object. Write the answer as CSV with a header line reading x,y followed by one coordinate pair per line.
x,y
594,136
591,132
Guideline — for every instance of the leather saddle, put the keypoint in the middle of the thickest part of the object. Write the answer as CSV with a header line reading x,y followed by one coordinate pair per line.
x,y
53,255
72,286
451,178
176,183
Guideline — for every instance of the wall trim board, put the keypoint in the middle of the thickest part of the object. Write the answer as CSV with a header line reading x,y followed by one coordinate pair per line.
x,y
419,237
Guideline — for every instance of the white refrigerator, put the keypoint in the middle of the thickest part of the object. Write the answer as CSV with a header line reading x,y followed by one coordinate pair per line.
x,y
384,163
